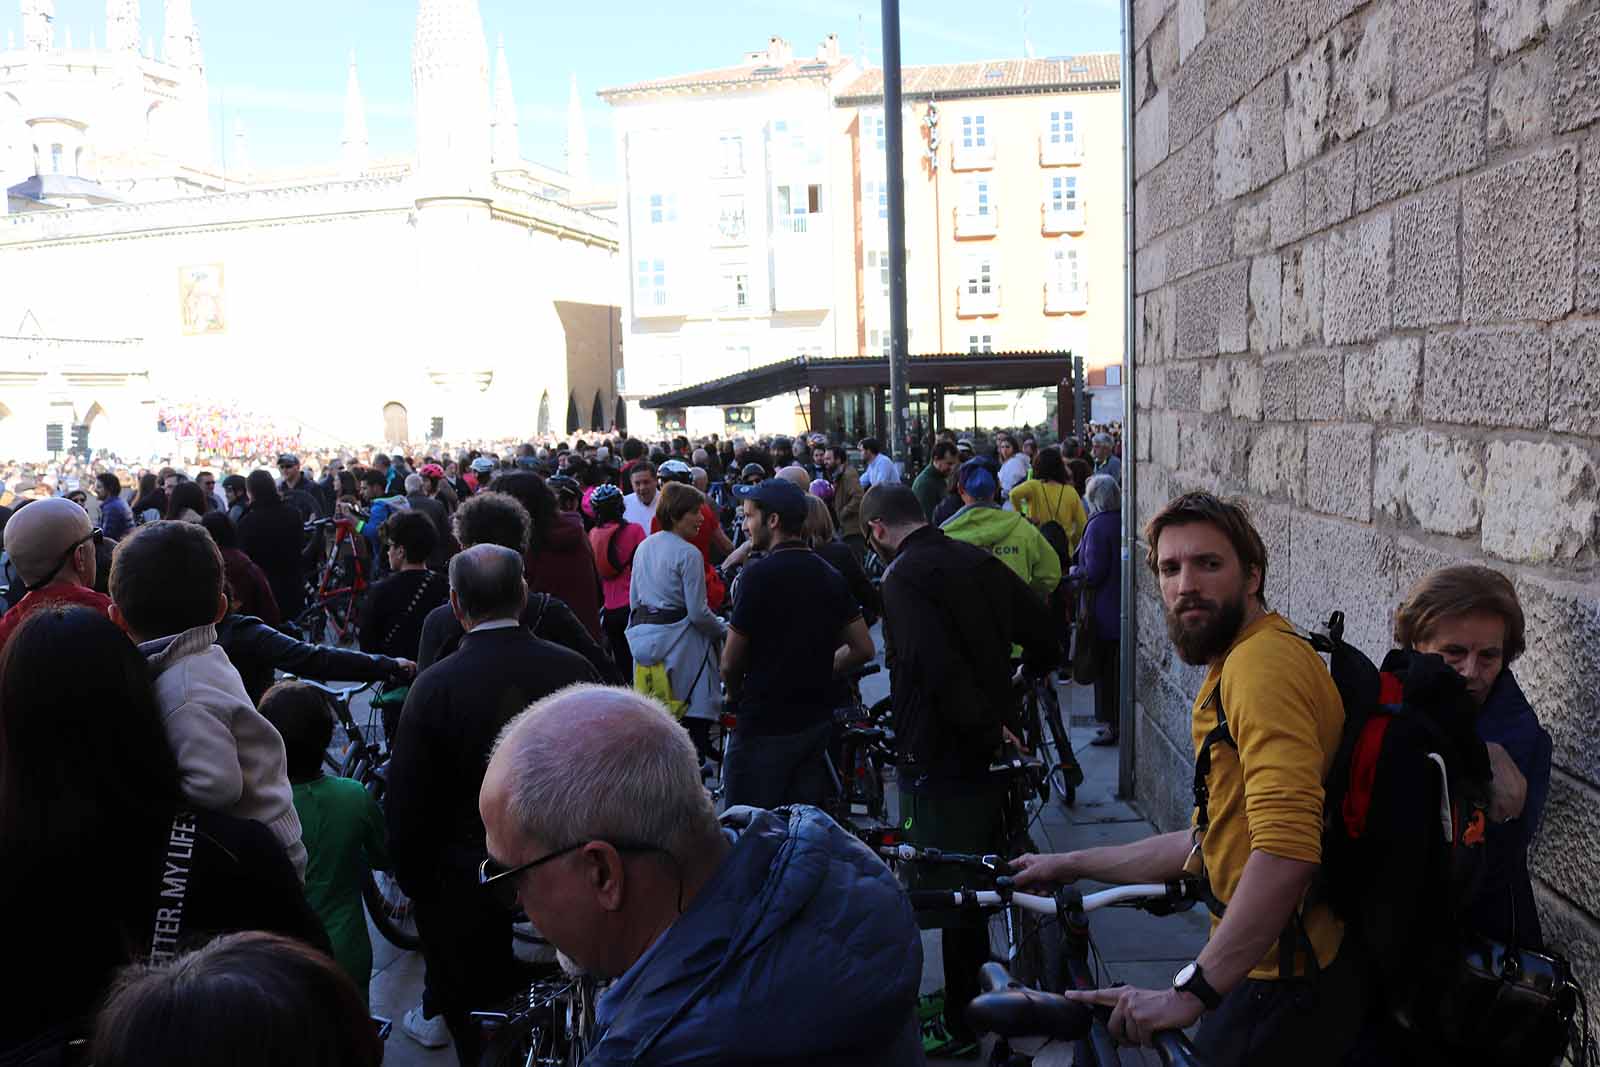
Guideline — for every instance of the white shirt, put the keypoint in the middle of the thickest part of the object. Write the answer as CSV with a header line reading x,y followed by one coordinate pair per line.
x,y
1012,474
636,510
881,471
495,624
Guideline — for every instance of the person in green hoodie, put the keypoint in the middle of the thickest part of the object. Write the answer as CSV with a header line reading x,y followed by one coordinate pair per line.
x,y
1006,534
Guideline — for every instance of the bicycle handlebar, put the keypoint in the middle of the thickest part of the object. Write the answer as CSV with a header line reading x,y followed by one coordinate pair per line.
x,y
339,694
1145,895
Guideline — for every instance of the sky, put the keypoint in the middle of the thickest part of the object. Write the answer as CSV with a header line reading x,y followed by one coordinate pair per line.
x,y
279,66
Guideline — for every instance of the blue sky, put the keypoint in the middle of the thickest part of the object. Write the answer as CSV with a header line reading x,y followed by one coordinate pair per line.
x,y
280,65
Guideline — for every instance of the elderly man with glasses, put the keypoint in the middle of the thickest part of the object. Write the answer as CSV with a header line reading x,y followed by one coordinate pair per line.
x,y
452,715
768,937
52,549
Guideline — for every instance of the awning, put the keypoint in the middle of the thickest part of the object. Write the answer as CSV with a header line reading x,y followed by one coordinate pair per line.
x,y
1003,370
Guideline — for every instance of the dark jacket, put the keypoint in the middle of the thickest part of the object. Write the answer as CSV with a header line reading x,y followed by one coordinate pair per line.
x,y
395,609
313,494
951,613
250,587
1100,570
563,566
736,979
838,554
256,649
273,535
546,617
452,715
440,557
1504,908
116,518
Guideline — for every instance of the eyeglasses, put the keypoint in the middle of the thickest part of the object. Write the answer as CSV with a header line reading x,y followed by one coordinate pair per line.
x,y
500,880
95,535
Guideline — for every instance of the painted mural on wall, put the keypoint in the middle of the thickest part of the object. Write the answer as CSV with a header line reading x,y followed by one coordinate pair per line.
x,y
200,299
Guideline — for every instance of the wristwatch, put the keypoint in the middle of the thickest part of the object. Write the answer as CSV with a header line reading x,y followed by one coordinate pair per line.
x,y
1193,980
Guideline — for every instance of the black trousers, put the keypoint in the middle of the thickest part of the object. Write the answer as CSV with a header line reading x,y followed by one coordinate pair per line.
x,y
466,945
1108,684
1302,1022
771,770
614,621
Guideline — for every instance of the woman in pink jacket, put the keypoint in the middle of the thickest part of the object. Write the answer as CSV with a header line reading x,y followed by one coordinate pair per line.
x,y
615,540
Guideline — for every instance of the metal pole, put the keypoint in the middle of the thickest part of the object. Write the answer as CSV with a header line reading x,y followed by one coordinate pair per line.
x,y
899,399
1128,664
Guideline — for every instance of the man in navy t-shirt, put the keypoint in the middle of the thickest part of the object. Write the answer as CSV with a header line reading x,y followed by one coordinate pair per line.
x,y
795,628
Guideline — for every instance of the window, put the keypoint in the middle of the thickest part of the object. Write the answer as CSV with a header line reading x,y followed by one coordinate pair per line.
x,y
980,344
730,155
975,197
795,204
734,292
872,130
878,263
55,159
1065,274
1062,194
730,217
879,341
663,208
1060,129
77,162
875,195
980,276
650,281
974,133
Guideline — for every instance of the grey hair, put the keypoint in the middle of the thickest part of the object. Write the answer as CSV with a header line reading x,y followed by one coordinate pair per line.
x,y
594,762
1101,439
413,483
1103,494
487,582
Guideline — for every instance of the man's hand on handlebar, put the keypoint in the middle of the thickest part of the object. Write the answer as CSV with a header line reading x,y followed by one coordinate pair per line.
x,y
1032,872
405,669
1137,1014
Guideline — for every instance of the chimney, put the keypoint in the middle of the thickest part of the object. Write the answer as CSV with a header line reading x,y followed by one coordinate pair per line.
x,y
779,53
829,50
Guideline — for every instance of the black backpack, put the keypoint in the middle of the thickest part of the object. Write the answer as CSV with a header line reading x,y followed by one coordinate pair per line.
x,y
1403,855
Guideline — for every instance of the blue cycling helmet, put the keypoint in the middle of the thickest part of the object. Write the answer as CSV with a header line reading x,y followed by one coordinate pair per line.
x,y
604,493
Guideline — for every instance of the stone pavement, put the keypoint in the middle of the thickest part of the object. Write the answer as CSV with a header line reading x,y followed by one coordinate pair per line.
x,y
1135,948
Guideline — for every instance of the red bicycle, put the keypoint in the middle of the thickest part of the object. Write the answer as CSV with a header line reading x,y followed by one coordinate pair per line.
x,y
334,595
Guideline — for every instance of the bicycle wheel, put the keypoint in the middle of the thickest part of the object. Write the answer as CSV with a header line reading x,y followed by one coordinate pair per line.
x,y
313,623
386,902
1065,774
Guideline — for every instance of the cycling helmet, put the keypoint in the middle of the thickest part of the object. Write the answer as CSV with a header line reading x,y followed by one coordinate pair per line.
x,y
822,489
675,470
565,486
604,493
753,470
432,470
483,465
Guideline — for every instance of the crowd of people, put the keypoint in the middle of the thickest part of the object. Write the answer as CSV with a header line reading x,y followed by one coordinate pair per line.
x,y
563,634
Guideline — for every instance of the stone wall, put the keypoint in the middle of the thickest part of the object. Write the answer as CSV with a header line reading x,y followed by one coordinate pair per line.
x,y
1368,276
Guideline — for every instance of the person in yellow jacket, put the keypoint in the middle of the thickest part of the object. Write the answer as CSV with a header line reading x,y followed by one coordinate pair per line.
x,y
1049,496
1006,534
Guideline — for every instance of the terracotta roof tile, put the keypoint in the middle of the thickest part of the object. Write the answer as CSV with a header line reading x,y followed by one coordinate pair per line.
x,y
745,74
1095,68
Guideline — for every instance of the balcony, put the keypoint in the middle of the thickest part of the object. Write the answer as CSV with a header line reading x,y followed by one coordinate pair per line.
x,y
1059,153
654,303
976,223
978,157
969,304
1066,220
1059,300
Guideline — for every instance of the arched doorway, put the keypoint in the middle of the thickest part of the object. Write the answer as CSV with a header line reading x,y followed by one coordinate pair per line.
x,y
544,413
396,424
573,425
597,414
620,417
102,433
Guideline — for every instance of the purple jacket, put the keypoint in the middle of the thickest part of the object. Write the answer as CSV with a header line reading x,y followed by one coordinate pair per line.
x,y
1099,567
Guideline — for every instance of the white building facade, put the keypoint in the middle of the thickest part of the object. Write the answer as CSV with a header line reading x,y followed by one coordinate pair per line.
x,y
731,187
359,305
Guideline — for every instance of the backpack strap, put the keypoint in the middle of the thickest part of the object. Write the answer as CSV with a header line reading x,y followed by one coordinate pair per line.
x,y
1202,763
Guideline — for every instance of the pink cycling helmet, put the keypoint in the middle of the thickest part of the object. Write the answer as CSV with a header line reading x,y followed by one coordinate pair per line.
x,y
822,489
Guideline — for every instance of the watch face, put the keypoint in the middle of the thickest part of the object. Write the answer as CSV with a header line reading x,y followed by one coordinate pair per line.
x,y
1181,979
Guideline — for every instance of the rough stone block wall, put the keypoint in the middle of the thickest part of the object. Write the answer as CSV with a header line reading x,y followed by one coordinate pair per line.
x,y
1368,302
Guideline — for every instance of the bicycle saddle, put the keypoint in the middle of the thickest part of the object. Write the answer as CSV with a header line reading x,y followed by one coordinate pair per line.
x,y
1029,1013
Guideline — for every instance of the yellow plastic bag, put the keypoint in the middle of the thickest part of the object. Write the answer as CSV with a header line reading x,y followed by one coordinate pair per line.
x,y
651,680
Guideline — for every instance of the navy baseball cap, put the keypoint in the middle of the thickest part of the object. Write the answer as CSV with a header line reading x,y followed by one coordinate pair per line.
x,y
977,478
777,495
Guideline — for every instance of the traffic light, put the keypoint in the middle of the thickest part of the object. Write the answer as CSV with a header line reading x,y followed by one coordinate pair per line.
x,y
52,437
80,440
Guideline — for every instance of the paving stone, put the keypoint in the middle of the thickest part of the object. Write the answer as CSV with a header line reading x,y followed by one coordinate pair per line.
x,y
1339,470
1489,376
1429,479
1540,502
1384,384
1356,282
1520,238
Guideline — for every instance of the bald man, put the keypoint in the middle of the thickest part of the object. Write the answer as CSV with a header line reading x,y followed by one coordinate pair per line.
x,y
597,823
52,549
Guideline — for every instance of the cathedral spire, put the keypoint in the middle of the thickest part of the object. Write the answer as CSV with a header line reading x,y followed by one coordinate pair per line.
x,y
450,77
122,25
38,25
577,139
183,39
507,145
355,149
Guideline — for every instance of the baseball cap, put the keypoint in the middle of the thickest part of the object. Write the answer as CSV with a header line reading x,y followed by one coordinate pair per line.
x,y
978,479
964,444
675,470
777,495
288,459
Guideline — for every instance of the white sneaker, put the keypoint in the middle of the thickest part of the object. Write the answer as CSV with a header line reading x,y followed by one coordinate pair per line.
x,y
429,1033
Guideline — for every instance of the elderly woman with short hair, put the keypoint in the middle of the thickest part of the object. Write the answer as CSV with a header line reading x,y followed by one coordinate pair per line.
x,y
1098,573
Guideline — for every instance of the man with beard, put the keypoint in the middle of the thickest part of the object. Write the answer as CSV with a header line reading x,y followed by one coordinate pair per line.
x,y
847,493
951,612
1271,985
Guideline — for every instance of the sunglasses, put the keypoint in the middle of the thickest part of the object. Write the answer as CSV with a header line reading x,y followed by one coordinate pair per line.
x,y
95,535
501,881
